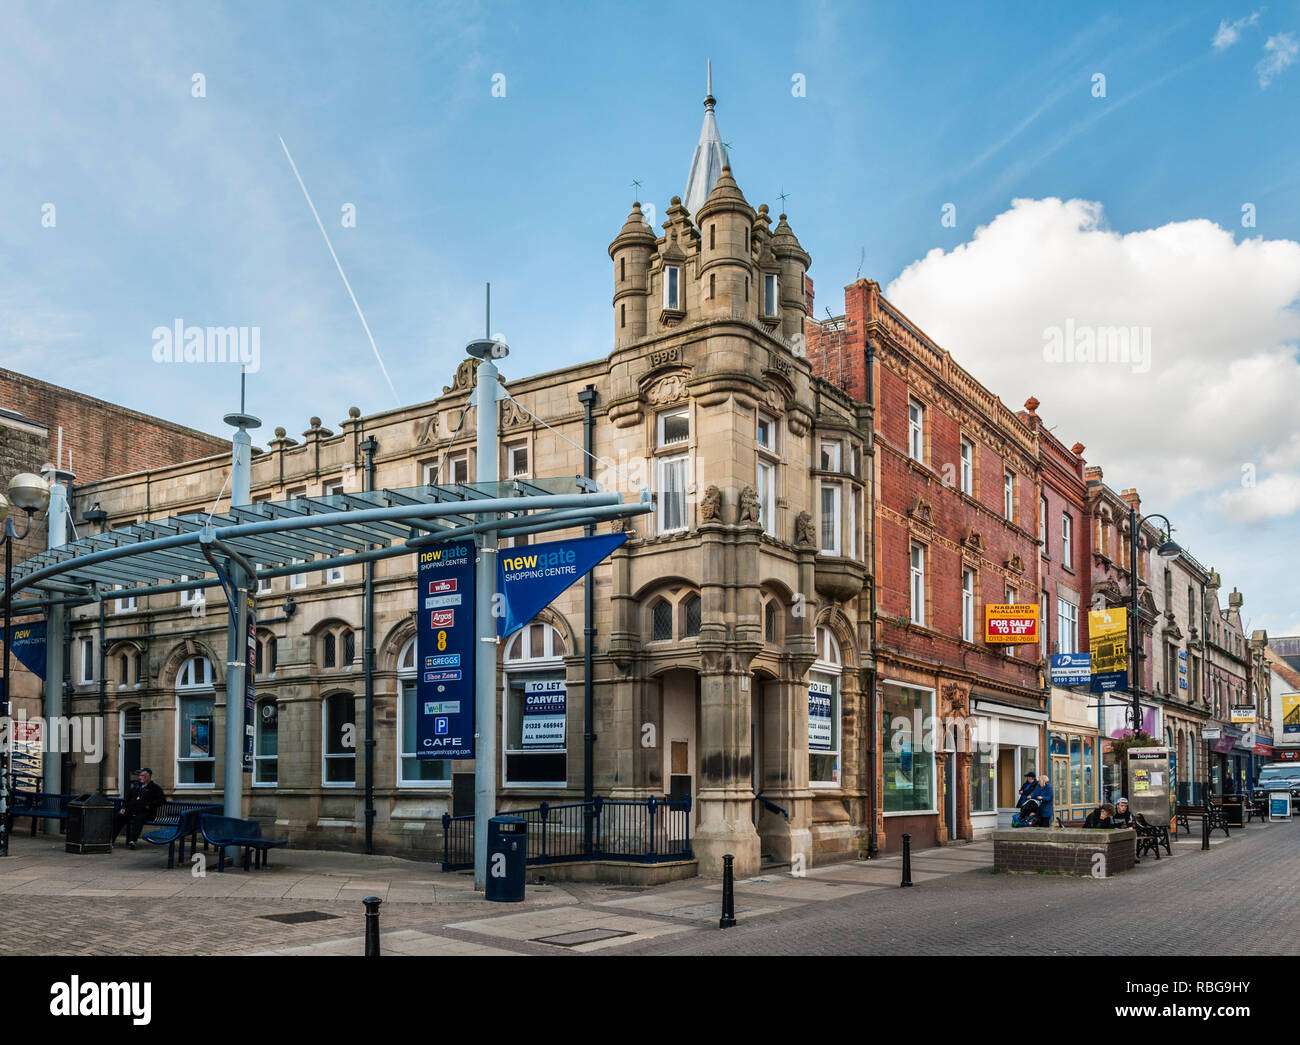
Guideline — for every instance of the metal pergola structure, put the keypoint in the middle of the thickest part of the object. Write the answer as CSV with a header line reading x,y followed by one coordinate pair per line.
x,y
280,538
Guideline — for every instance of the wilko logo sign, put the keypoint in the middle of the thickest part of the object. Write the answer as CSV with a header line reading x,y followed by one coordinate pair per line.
x,y
441,587
442,619
1008,624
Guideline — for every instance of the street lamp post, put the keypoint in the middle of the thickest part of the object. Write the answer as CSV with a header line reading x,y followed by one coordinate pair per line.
x,y
31,493
1168,550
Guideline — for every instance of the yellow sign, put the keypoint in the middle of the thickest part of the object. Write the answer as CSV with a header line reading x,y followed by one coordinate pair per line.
x,y
1108,640
1290,714
1011,623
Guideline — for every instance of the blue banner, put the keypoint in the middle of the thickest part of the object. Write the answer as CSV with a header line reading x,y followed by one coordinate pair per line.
x,y
27,643
1071,669
1110,682
445,652
530,577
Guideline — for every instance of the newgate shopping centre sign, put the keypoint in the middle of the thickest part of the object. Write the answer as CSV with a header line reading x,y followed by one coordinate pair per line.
x,y
528,579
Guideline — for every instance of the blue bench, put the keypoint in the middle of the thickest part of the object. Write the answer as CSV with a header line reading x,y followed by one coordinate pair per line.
x,y
222,831
179,820
39,805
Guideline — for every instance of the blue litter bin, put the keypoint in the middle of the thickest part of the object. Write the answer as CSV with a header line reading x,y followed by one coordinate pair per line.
x,y
507,848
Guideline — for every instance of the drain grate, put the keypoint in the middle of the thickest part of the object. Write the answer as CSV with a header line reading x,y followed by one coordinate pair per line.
x,y
581,936
298,917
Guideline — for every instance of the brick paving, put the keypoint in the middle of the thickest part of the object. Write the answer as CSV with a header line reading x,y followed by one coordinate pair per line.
x,y
1238,898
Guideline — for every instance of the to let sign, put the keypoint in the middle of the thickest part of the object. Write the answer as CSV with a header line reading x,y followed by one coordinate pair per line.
x,y
1010,623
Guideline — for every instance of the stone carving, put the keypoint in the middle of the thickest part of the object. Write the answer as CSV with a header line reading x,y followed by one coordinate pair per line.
x,y
776,400
711,506
921,511
669,390
973,540
1015,564
750,506
464,376
803,529
512,414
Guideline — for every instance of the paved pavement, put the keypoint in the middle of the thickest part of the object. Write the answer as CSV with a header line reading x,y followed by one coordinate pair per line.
x,y
1238,898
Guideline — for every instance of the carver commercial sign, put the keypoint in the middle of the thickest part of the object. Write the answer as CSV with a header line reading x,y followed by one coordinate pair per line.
x,y
1011,623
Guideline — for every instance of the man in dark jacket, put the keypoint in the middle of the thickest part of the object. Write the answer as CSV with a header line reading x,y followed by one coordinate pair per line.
x,y
1027,788
1102,816
1123,815
142,802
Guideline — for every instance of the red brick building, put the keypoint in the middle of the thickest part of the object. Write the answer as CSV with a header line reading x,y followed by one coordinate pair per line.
x,y
956,529
1065,579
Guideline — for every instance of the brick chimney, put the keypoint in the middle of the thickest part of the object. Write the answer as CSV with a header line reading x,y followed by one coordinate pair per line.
x,y
1092,474
1131,498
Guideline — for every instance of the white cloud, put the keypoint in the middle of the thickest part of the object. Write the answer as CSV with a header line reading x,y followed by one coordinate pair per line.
x,y
1280,51
1223,378
1276,497
1230,32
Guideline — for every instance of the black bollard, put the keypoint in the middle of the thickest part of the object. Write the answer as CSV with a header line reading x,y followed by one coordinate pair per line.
x,y
372,925
907,861
728,918
1205,831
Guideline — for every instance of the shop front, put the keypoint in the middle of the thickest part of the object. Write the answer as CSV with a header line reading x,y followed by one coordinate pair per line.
x,y
910,794
1073,753
1007,745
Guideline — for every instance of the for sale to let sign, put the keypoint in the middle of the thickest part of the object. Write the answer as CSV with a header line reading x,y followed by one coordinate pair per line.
x,y
1013,623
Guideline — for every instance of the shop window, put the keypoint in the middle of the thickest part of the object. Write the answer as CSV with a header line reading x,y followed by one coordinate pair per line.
x,y
982,779
909,769
195,724
339,741
536,709
413,771
266,745
824,712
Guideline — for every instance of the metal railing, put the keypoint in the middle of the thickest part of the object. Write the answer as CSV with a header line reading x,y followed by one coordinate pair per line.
x,y
650,830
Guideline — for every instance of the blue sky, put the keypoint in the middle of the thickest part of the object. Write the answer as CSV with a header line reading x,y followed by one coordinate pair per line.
x,y
169,206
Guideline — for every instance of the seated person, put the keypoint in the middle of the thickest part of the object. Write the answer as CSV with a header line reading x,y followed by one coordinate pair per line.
x,y
1102,816
1123,815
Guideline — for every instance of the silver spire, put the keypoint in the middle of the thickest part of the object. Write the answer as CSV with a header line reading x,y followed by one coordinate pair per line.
x,y
710,156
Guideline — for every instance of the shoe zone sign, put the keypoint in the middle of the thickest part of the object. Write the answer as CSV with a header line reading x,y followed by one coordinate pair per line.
x,y
445,652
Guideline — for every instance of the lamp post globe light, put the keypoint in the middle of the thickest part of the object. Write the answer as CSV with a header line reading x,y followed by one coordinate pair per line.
x,y
1167,550
30,494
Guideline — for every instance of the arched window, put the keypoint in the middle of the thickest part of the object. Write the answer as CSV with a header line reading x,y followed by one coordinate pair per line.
x,y
266,748
339,741
769,622
195,724
536,708
691,616
338,648
413,771
267,656
661,621
824,712
123,670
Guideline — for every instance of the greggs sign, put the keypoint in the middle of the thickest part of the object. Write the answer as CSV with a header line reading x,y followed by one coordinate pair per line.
x,y
1008,624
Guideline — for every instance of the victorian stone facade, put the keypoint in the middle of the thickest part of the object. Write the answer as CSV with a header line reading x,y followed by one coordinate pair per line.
x,y
730,609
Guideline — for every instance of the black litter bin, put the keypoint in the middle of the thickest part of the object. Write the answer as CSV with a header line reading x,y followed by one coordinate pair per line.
x,y
90,824
507,847
1234,810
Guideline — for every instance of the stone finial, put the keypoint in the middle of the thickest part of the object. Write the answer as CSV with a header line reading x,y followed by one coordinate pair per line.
x,y
314,422
354,412
1031,404
1235,599
1077,449
280,433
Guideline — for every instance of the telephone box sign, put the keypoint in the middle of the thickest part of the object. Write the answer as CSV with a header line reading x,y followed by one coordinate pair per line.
x,y
445,652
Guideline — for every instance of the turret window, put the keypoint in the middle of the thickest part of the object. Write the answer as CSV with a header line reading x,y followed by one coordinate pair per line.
x,y
770,302
673,287
713,237
622,269
713,286
622,315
